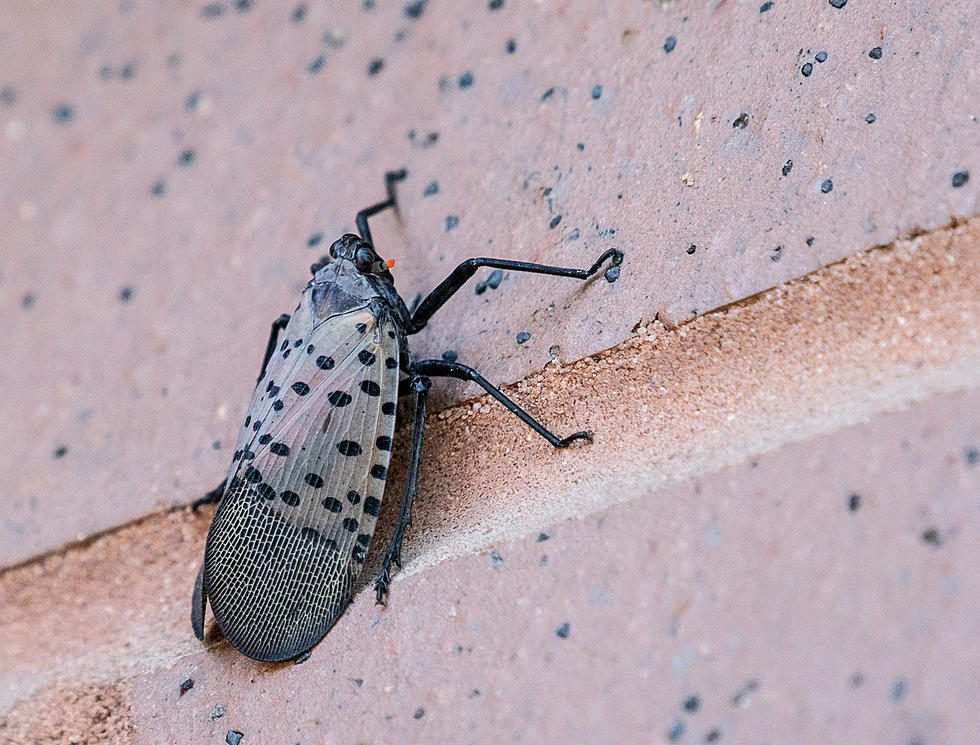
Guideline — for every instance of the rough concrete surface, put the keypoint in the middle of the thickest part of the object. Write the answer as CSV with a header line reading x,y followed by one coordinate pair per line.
x,y
171,168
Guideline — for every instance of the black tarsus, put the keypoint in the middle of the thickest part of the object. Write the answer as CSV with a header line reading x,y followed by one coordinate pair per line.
x,y
278,325
458,277
444,369
420,385
212,497
391,178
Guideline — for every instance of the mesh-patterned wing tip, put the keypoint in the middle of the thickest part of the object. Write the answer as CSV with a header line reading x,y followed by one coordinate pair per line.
x,y
199,601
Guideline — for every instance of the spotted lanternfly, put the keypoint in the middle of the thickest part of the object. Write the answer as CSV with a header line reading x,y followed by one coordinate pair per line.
x,y
297,510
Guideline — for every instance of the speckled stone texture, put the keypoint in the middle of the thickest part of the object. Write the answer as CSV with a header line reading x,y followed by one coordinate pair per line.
x,y
773,537
172,168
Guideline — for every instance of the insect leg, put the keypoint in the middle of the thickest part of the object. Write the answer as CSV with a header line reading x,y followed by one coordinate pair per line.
x,y
278,325
448,287
443,369
391,178
211,497
420,386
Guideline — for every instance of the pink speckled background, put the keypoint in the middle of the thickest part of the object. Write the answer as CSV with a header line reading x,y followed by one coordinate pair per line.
x,y
144,394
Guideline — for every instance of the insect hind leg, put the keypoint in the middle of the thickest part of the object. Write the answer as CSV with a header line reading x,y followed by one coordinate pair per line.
x,y
212,497
444,369
420,385
391,178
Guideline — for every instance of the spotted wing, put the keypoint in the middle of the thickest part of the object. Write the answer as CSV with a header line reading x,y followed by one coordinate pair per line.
x,y
292,530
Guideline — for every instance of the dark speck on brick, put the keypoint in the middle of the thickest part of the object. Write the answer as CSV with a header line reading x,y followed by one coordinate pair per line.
x,y
960,178
511,46
159,188
465,80
691,704
316,64
431,188
185,158
596,91
691,249
542,537
854,502
419,713
875,53
837,3
314,239
415,8
548,94
28,300
495,4
554,221
713,736
495,278
821,57
299,13
810,240
125,294
580,146
375,66
932,537
191,101
787,167
63,113
898,690
60,452
7,96
669,43
776,254
741,121
870,119
806,69
451,222
827,186
243,6
522,337
212,10
186,686
450,355
234,737
127,71
971,456
562,631
675,731
765,7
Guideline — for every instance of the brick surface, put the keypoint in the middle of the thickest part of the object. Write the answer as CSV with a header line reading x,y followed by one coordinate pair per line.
x,y
168,164
821,592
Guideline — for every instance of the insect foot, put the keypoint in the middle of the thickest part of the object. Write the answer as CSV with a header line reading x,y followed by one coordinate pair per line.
x,y
583,435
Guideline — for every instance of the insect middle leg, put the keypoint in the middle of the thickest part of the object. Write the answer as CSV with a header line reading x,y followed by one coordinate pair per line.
x,y
419,384
444,369
278,325
391,178
451,284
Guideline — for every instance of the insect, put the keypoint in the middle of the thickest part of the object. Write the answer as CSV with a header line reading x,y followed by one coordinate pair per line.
x,y
298,508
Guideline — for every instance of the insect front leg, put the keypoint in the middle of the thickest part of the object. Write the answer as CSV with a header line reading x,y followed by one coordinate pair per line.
x,y
278,325
443,369
451,284
420,386
391,178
